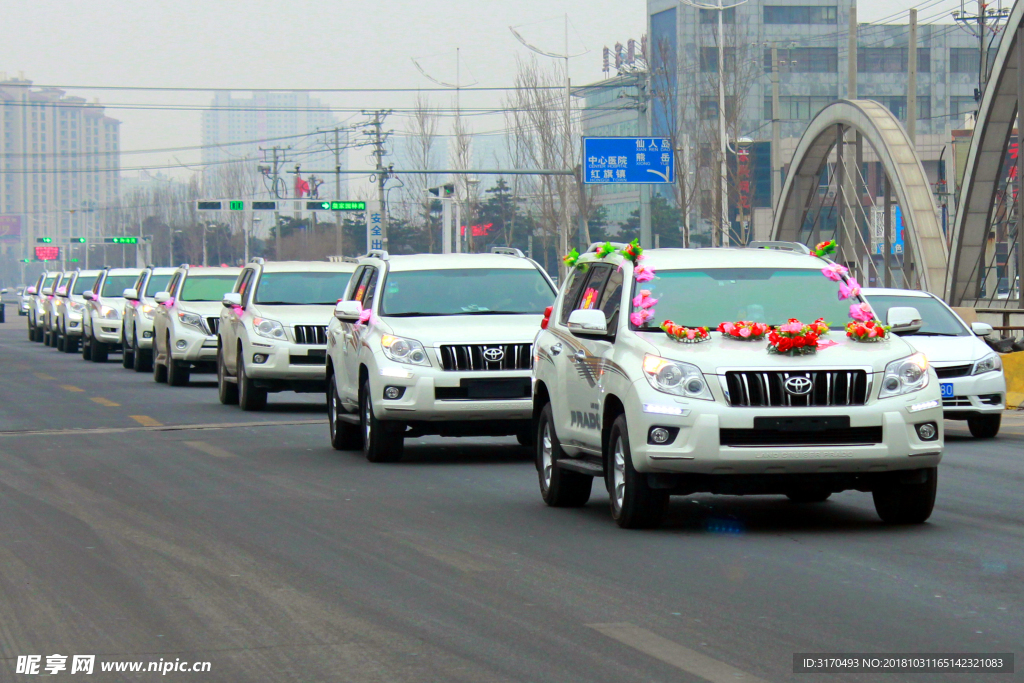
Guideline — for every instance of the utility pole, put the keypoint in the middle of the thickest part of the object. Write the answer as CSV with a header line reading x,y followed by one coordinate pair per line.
x,y
644,128
985,21
851,53
776,133
275,180
912,80
379,138
339,236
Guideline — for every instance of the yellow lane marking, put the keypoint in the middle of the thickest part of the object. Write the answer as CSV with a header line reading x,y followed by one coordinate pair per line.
x,y
105,402
43,375
457,559
70,387
146,421
674,654
209,449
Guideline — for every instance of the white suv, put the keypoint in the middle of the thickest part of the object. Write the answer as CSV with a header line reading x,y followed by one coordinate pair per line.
x,y
185,325
617,397
139,310
433,344
70,308
273,329
970,373
101,321
36,304
51,301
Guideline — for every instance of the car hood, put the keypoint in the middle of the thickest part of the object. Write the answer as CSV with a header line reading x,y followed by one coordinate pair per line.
x,y
295,315
949,349
203,308
465,329
719,353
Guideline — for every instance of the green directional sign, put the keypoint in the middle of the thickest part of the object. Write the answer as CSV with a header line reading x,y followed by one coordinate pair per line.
x,y
335,206
236,206
44,240
121,240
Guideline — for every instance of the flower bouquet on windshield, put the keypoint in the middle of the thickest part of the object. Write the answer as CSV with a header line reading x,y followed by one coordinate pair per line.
x,y
685,335
744,330
868,331
796,338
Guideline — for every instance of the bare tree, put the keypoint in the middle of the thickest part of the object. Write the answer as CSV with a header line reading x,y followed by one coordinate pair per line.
x,y
423,155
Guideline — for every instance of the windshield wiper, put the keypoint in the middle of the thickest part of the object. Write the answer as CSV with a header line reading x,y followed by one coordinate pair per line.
x,y
282,303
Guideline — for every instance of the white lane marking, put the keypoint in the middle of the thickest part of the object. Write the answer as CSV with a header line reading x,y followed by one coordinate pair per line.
x,y
209,449
684,658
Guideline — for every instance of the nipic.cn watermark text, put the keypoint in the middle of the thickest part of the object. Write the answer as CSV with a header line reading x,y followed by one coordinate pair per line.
x,y
42,665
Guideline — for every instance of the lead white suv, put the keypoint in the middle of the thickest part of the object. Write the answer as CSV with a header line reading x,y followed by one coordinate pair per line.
x,y
139,311
101,320
616,397
185,325
273,329
433,344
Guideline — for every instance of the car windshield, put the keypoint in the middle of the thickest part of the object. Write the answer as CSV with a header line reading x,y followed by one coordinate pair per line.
x,y
83,283
207,287
115,285
309,288
938,320
157,283
48,281
707,297
466,291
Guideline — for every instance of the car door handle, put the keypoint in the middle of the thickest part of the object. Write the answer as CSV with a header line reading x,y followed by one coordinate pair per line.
x,y
555,349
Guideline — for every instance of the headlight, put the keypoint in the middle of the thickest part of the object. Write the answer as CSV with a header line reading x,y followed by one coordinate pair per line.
x,y
108,313
76,307
149,311
673,377
904,376
402,350
989,363
191,319
271,329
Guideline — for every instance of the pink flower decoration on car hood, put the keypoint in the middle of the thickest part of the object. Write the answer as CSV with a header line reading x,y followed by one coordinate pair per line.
x,y
791,327
848,289
643,274
644,300
862,312
640,317
834,272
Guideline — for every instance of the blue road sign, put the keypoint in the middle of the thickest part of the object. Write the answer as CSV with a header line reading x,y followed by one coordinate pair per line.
x,y
628,160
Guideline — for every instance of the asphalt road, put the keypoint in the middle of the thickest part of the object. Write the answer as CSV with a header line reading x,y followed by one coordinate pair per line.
x,y
244,540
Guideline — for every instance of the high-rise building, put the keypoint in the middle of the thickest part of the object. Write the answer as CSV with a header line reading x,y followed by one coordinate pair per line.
x,y
59,165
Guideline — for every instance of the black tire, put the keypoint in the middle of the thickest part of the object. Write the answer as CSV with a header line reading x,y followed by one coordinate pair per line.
x,y
636,505
559,488
227,391
31,331
70,343
85,346
525,438
46,335
127,354
178,372
344,436
159,370
381,443
61,341
98,351
907,503
984,426
142,359
250,397
809,496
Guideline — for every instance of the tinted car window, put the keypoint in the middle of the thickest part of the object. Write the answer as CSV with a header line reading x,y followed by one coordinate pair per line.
x,y
301,288
207,287
83,284
115,285
157,283
936,318
466,291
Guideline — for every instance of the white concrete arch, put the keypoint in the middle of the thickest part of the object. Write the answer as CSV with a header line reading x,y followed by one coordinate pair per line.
x,y
911,189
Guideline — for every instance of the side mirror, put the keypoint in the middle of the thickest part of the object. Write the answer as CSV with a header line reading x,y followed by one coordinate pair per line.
x,y
348,311
62,291
31,290
47,291
903,320
88,295
162,297
588,323
131,294
3,291
981,329
232,299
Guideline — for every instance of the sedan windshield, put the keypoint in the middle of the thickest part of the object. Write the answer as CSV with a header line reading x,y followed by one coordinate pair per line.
x,y
468,291
115,285
705,298
938,320
83,284
301,289
207,287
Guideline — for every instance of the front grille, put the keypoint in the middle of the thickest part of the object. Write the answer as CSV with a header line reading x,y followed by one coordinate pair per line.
x,y
213,324
484,390
953,371
749,388
957,402
311,334
307,360
474,356
850,436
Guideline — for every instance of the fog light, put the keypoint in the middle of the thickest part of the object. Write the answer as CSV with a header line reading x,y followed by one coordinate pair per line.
x,y
393,393
660,435
181,343
147,335
928,431
259,358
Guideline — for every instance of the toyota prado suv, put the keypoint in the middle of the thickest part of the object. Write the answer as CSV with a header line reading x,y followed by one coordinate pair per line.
x,y
433,344
634,385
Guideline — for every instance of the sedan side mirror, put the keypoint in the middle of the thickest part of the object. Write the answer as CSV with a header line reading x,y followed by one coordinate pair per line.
x,y
88,296
903,320
162,297
131,294
348,311
232,299
981,329
588,323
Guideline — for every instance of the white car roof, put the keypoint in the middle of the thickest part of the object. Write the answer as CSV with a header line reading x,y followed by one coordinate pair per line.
x,y
88,272
308,266
212,270
124,271
879,291
682,259
163,270
453,261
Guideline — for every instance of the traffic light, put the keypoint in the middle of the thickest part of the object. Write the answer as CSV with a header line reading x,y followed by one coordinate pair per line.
x,y
208,206
236,206
78,240
264,206
44,240
443,191
121,240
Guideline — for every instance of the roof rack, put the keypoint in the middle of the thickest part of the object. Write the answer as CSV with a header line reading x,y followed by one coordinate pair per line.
x,y
184,265
377,253
508,251
258,259
781,246
594,246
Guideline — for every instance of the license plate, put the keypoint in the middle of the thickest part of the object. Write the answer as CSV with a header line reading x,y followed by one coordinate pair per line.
x,y
807,423
947,389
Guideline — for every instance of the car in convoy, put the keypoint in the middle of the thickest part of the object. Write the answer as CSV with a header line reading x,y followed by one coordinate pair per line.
x,y
101,321
618,398
970,373
49,301
70,307
186,320
272,334
23,298
139,311
433,344
36,308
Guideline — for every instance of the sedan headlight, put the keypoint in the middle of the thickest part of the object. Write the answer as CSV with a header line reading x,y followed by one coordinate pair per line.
x,y
191,319
76,307
674,377
402,350
271,329
904,376
108,313
148,311
989,363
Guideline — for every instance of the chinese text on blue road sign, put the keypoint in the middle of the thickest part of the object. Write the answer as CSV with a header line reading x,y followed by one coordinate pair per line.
x,y
628,160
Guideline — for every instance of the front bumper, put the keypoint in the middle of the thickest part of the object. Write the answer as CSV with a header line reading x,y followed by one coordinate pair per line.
x,y
73,325
697,446
106,330
975,394
286,361
193,345
144,330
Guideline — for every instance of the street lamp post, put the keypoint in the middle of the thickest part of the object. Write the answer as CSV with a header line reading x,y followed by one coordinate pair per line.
x,y
206,230
252,231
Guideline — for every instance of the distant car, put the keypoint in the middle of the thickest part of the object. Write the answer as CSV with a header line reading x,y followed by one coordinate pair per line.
x,y
51,302
70,307
36,310
139,311
22,301
970,373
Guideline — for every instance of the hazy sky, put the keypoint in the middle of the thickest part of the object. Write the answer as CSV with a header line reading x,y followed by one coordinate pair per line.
x,y
303,44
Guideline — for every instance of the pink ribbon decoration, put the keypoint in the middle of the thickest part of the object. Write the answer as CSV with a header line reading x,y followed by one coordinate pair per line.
x,y
825,343
643,274
237,309
366,316
834,272
644,300
169,302
862,312
848,289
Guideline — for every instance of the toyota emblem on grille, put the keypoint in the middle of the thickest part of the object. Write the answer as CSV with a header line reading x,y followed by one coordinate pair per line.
x,y
494,354
798,386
